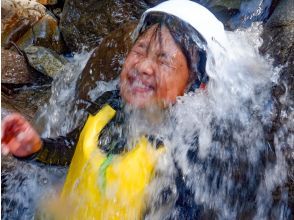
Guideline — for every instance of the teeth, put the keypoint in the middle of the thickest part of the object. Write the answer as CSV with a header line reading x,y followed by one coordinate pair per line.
x,y
138,83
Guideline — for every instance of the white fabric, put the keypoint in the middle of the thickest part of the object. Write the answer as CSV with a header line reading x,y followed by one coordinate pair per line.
x,y
196,15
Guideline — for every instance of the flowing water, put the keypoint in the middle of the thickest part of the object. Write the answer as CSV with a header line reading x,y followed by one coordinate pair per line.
x,y
218,139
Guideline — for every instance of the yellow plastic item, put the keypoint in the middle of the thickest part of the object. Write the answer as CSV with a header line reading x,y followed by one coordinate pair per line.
x,y
101,187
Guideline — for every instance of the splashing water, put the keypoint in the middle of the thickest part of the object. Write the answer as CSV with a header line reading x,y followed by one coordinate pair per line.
x,y
61,115
217,138
220,143
24,185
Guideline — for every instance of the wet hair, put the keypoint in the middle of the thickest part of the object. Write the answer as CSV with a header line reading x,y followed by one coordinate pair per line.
x,y
187,38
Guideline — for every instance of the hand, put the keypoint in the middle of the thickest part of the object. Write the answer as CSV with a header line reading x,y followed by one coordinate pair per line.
x,y
19,137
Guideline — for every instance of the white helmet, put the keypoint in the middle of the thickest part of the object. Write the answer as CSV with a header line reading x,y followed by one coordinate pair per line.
x,y
211,29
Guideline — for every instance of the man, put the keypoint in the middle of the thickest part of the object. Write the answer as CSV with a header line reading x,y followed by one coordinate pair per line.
x,y
111,167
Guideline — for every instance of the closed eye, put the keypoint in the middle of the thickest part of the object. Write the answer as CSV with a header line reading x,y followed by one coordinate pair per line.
x,y
139,49
166,60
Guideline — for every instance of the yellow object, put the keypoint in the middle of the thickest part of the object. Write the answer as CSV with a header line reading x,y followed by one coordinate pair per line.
x,y
101,187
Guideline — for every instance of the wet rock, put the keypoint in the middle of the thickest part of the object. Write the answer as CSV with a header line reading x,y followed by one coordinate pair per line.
x,y
14,32
25,102
48,2
153,2
57,12
86,23
239,13
44,33
230,4
8,108
17,17
106,61
278,36
14,68
12,9
45,60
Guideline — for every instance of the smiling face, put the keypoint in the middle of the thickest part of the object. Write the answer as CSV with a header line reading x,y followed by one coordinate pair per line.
x,y
155,71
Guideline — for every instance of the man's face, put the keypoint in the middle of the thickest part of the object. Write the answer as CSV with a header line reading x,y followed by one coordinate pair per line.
x,y
155,71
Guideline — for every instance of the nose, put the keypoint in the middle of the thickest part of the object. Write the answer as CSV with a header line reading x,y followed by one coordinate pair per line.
x,y
146,67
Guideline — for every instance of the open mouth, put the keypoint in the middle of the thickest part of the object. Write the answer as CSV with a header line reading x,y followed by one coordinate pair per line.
x,y
137,85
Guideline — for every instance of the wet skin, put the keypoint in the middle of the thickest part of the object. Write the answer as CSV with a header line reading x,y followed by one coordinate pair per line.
x,y
154,73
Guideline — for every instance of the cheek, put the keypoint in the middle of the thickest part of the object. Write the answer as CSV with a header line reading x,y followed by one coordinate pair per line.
x,y
172,83
130,62
164,84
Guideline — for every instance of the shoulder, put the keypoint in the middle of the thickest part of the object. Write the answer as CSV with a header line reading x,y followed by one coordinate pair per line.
x,y
111,98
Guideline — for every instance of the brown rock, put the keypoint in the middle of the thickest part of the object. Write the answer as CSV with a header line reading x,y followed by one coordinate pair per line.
x,y
25,102
14,68
14,32
17,17
86,23
106,61
44,33
48,2
11,9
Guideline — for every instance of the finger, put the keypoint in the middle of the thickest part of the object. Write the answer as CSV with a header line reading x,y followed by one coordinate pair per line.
x,y
12,125
13,119
9,123
13,145
4,149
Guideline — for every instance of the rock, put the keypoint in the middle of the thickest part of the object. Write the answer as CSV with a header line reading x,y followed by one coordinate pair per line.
x,y
14,68
48,2
239,13
230,4
44,33
45,60
11,9
278,36
16,18
106,61
86,23
153,2
29,23
14,32
25,102
282,15
57,12
7,108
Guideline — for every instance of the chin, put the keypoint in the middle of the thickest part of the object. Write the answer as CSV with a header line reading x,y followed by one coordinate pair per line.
x,y
139,103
